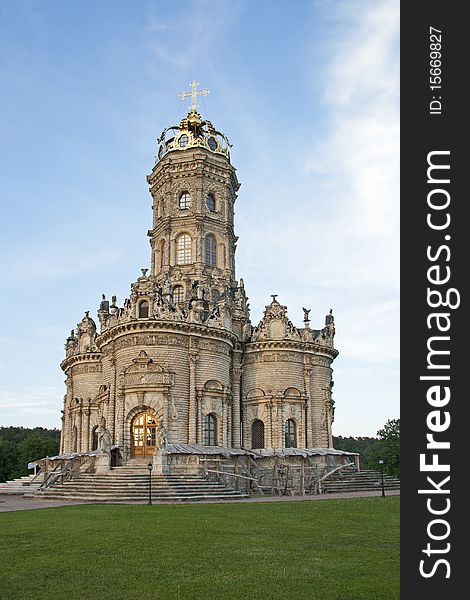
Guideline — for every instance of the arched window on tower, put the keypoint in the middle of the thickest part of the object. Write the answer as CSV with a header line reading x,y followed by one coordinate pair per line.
x,y
184,200
162,253
210,430
144,309
211,251
183,249
215,295
178,294
257,434
210,201
290,434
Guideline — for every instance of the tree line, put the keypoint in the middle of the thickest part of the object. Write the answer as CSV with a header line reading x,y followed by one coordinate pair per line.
x,y
19,446
386,447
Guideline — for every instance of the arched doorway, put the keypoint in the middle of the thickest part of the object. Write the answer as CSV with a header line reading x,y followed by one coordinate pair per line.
x,y
144,434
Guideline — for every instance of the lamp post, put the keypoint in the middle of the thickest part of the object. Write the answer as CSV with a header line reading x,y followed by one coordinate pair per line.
x,y
150,467
381,463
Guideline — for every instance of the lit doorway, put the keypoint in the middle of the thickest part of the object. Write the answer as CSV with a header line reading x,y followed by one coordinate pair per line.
x,y
144,434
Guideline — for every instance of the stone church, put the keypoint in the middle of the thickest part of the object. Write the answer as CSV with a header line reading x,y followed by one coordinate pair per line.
x,y
179,364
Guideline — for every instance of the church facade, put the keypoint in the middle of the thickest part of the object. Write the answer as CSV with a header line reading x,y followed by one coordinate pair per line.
x,y
179,362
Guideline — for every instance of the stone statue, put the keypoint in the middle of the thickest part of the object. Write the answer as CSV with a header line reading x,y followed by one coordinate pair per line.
x,y
105,441
161,433
104,304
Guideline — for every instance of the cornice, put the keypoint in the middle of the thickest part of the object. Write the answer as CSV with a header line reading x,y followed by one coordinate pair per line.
x,y
70,361
162,326
292,345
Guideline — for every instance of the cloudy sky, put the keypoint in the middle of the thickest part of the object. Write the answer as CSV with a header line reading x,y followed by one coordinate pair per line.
x,y
307,93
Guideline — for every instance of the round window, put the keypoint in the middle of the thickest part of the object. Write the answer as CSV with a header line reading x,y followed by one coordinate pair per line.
x,y
212,143
161,151
183,141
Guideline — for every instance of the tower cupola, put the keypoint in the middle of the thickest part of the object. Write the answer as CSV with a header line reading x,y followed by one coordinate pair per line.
x,y
193,131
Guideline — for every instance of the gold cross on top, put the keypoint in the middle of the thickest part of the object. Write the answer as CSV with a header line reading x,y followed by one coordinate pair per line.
x,y
194,93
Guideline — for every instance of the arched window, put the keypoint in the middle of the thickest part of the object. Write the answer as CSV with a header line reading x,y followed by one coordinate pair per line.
x,y
183,249
162,253
210,430
94,438
178,294
257,434
211,251
290,434
215,295
210,201
143,310
184,201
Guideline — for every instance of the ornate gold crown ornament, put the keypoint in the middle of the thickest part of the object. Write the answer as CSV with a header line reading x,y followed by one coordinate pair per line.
x,y
193,131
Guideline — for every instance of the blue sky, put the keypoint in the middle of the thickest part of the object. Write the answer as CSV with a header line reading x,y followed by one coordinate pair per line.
x,y
307,93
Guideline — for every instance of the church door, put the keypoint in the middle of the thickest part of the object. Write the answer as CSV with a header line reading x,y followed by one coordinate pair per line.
x,y
144,434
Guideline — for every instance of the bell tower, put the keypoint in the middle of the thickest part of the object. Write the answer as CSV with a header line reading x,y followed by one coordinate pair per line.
x,y
194,188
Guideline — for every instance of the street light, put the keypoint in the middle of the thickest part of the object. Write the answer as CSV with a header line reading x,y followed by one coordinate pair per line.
x,y
381,463
150,467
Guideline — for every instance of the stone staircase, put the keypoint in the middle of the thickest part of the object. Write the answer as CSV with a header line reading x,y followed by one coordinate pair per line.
x,y
19,486
130,484
359,481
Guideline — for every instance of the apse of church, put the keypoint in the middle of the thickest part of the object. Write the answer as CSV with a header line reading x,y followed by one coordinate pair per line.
x,y
178,361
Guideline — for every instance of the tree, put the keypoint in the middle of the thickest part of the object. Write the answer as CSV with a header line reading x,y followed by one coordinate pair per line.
x,y
389,438
368,449
19,446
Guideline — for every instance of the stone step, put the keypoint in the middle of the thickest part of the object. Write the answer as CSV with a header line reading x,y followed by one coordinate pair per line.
x,y
140,499
361,481
139,489
126,485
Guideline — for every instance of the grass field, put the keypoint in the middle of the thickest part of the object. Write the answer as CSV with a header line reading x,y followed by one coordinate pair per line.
x,y
327,550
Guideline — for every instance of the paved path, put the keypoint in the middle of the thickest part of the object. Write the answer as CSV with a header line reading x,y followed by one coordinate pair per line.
x,y
10,503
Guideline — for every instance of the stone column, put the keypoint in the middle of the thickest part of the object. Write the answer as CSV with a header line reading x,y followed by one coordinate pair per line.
x,y
120,401
66,431
80,427
87,426
236,400
282,426
308,392
110,417
321,373
192,363
269,426
229,420
69,440
224,420
200,419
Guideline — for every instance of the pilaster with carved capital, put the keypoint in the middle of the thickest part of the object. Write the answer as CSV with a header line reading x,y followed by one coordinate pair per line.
x,y
192,416
236,376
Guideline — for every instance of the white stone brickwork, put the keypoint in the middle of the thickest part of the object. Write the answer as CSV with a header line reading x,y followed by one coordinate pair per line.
x,y
182,348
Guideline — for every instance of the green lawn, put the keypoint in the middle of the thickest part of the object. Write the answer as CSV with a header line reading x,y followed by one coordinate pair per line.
x,y
327,550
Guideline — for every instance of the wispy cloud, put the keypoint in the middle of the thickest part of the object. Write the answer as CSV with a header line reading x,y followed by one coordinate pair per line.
x,y
53,264
183,38
27,405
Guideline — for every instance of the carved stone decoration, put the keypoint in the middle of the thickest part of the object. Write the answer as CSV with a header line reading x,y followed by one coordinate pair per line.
x,y
275,325
144,373
174,412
